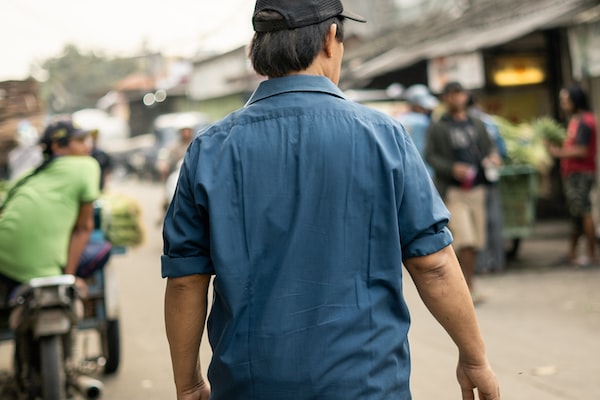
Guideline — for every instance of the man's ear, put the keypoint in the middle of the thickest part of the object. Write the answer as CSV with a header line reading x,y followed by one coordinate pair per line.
x,y
330,40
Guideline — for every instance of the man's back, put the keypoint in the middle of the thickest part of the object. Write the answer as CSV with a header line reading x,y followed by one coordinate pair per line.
x,y
303,195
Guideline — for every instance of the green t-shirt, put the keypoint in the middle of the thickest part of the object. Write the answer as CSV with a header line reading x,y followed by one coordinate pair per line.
x,y
36,224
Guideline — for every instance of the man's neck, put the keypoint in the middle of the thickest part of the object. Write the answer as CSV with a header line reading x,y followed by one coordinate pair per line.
x,y
321,66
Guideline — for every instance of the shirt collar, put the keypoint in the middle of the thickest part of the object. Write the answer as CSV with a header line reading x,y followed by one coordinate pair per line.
x,y
295,83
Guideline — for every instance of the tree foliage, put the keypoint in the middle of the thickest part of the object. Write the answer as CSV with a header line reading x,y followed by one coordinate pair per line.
x,y
76,80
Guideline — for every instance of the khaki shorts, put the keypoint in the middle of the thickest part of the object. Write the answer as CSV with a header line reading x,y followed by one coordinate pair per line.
x,y
467,216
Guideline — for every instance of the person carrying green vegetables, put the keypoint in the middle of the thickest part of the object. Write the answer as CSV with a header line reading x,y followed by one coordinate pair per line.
x,y
577,157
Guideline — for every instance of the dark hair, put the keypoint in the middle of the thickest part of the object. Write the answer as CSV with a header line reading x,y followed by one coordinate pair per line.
x,y
276,54
578,97
60,131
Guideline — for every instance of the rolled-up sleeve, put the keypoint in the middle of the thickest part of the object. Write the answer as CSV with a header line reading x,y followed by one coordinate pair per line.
x,y
422,216
186,232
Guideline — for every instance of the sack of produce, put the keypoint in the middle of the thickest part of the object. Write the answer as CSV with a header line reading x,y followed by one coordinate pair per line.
x,y
121,219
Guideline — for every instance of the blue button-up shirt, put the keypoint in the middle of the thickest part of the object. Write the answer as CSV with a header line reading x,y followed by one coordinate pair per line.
x,y
303,204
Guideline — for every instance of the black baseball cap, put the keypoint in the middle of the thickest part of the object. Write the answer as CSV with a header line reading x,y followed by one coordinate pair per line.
x,y
63,129
452,87
299,13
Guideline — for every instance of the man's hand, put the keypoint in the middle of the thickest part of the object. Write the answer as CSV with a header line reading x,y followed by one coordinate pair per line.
x,y
493,160
481,378
461,171
199,392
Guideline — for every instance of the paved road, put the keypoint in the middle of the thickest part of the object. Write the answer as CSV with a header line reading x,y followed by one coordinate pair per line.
x,y
542,325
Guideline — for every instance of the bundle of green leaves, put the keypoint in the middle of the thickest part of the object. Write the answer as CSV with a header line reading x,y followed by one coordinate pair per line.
x,y
526,142
550,130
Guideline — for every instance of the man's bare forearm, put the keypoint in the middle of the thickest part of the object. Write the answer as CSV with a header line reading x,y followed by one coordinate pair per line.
x,y
185,316
442,287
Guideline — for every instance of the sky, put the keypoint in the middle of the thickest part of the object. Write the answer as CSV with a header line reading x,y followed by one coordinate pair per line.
x,y
34,30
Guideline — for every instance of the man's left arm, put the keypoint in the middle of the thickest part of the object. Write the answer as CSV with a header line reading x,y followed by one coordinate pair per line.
x,y
185,316
442,287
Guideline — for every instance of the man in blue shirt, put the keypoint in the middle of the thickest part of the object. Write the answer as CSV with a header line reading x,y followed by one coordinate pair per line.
x,y
417,119
304,205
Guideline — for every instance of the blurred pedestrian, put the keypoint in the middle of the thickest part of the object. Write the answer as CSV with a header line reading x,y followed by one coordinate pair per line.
x,y
104,159
460,150
492,257
578,170
474,109
418,117
46,219
168,164
6,146
28,154
169,157
304,205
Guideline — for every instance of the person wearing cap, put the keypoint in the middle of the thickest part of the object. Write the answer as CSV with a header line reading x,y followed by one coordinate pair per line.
x,y
459,149
418,117
104,159
304,205
169,157
47,216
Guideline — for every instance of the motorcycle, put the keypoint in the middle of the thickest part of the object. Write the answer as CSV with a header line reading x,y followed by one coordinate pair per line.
x,y
43,318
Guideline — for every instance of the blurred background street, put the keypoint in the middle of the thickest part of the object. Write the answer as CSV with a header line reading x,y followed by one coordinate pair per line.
x,y
541,323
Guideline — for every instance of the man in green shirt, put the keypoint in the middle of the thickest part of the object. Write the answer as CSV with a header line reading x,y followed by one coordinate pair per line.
x,y
47,217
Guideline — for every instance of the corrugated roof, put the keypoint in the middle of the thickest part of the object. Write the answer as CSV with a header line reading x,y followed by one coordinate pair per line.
x,y
485,24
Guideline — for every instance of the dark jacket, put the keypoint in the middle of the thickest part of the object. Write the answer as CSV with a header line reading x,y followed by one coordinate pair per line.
x,y
440,154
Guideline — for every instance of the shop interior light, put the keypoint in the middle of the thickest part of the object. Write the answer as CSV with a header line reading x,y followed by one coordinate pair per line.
x,y
516,77
519,71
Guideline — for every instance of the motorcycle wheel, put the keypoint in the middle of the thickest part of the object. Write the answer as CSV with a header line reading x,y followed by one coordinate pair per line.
x,y
112,346
52,369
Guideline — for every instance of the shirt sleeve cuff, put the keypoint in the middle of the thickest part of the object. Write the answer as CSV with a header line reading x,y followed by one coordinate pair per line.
x,y
184,266
428,244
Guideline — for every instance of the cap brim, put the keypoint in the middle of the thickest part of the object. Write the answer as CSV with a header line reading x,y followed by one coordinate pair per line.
x,y
84,132
353,16
430,103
